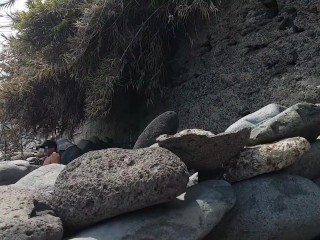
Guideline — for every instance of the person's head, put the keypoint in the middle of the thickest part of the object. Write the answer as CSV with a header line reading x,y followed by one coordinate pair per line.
x,y
49,147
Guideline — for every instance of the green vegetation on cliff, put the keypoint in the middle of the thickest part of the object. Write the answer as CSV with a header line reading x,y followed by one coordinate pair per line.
x,y
69,57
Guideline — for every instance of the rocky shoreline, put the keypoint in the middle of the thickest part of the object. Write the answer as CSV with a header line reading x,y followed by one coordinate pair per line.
x,y
261,182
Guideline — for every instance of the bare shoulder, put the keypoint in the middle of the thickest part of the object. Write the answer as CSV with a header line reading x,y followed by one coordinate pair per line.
x,y
55,157
56,154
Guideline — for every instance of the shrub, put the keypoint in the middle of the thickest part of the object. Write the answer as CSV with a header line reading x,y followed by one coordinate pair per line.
x,y
70,56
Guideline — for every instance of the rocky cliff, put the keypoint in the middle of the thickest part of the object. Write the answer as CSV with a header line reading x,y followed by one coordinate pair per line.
x,y
252,54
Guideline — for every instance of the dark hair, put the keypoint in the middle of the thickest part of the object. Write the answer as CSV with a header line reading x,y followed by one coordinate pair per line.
x,y
48,144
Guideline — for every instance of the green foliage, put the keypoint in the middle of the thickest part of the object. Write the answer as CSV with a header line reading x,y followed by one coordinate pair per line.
x,y
70,57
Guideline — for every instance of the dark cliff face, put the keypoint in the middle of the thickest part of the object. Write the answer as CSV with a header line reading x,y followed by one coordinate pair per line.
x,y
252,54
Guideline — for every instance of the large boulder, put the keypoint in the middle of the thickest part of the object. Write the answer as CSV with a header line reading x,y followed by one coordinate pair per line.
x,y
317,181
63,144
276,206
11,172
266,158
25,216
202,150
86,146
42,179
101,144
254,119
71,153
166,123
105,183
300,120
191,216
308,165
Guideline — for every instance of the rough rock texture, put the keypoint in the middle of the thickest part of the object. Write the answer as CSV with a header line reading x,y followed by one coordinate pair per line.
x,y
25,217
254,119
11,172
202,150
302,119
190,217
42,179
266,158
308,165
249,56
275,206
166,123
102,184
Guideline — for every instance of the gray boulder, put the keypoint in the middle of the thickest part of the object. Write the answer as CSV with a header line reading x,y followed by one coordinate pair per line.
x,y
166,123
11,172
70,154
275,206
266,158
86,145
101,144
191,216
308,165
254,119
25,216
317,181
22,156
42,179
105,183
63,144
300,120
202,150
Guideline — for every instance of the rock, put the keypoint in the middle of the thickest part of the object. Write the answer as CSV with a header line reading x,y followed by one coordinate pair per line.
x,y
191,216
202,150
42,179
63,144
86,145
266,158
70,154
269,3
193,180
35,160
276,206
300,120
256,118
105,183
317,181
11,172
308,165
31,159
99,144
24,216
22,156
154,145
166,123
249,64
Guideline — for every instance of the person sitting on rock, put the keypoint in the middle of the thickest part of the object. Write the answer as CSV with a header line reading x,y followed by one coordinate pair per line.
x,y
50,148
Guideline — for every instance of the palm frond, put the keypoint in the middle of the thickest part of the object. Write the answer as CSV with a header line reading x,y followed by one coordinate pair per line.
x,y
7,4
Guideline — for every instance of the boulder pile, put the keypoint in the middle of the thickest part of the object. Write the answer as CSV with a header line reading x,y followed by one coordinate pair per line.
x,y
262,182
